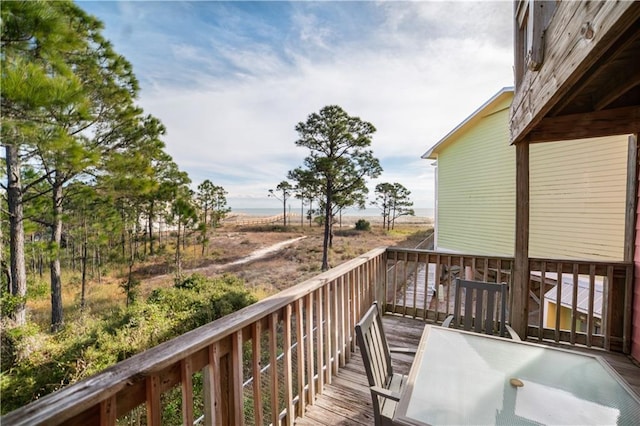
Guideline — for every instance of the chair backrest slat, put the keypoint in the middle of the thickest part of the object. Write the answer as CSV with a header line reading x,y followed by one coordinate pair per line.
x,y
480,316
375,353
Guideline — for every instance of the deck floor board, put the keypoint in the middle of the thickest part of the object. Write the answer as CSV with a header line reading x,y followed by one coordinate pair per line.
x,y
347,401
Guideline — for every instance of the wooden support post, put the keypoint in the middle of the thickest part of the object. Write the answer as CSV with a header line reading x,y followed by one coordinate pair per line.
x,y
631,197
520,307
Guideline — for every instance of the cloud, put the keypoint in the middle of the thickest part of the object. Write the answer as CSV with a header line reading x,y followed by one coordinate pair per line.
x,y
231,82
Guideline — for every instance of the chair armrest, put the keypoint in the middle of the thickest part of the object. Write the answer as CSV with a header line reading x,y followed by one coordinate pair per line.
x,y
512,333
386,393
447,321
403,350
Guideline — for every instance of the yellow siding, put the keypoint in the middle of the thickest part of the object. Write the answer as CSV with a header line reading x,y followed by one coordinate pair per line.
x,y
565,317
577,198
476,188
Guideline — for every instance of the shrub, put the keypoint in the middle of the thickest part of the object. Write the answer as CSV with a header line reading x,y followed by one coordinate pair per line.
x,y
363,225
35,364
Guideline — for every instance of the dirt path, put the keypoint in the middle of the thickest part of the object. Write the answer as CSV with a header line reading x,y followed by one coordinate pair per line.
x,y
206,270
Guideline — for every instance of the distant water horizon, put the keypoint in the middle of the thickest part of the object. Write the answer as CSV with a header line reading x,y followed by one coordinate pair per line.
x,y
368,212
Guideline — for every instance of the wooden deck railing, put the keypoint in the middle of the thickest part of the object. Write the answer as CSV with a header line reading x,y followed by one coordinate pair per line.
x,y
595,297
582,302
261,365
420,283
264,364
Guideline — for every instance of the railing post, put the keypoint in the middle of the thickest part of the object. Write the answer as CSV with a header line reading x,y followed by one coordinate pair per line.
x,y
256,349
273,368
620,312
212,390
154,407
108,411
186,379
382,279
236,395
300,357
287,366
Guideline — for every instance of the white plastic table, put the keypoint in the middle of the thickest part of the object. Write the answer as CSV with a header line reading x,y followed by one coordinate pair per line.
x,y
463,378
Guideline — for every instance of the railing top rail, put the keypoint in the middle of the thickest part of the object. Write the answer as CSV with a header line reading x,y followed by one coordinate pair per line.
x,y
75,399
441,253
507,258
614,263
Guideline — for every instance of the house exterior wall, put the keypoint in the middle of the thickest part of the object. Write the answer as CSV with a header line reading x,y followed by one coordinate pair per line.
x,y
577,199
577,193
476,187
550,314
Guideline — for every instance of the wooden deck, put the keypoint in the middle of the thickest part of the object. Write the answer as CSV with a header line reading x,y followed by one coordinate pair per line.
x,y
347,401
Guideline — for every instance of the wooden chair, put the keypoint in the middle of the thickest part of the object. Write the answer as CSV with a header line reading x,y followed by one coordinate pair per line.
x,y
481,314
384,384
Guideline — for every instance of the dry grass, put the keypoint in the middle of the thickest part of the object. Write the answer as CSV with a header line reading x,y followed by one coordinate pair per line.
x,y
265,276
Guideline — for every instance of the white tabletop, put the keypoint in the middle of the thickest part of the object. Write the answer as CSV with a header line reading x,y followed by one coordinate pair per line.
x,y
461,378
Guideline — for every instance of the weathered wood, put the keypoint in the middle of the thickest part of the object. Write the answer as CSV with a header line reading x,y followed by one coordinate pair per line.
x,y
520,287
574,304
287,366
328,332
606,122
570,52
334,329
302,401
308,307
108,412
541,295
256,368
236,393
607,302
186,374
631,199
273,368
154,406
558,301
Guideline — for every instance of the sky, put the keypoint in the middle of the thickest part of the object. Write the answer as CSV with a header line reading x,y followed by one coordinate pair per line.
x,y
231,79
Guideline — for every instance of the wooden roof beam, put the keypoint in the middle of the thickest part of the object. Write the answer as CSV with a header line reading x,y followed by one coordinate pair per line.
x,y
624,42
615,88
617,121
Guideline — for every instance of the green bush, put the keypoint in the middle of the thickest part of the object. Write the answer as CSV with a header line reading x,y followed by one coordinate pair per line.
x,y
363,225
35,364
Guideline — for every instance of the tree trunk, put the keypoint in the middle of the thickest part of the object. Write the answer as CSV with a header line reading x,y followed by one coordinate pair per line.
x,y
84,266
98,265
56,240
327,228
284,211
18,270
151,206
204,230
178,260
